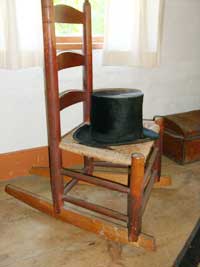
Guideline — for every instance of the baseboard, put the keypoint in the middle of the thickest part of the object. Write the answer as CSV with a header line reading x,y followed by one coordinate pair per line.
x,y
19,163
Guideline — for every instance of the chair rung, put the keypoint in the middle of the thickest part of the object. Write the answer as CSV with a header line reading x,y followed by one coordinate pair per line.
x,y
148,190
95,180
150,166
107,164
69,60
67,14
96,208
70,185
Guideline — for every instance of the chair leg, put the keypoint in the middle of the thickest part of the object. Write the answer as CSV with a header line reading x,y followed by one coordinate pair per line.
x,y
160,181
159,144
56,180
88,165
135,196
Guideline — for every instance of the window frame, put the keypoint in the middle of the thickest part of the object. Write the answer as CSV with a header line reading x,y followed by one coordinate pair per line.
x,y
76,42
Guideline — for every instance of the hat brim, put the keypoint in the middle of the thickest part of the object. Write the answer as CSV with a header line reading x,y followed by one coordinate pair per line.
x,y
83,136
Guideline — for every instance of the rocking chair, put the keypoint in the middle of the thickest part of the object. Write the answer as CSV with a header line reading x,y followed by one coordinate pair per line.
x,y
143,161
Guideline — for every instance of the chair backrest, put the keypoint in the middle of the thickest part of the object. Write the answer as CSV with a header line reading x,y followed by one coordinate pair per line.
x,y
53,63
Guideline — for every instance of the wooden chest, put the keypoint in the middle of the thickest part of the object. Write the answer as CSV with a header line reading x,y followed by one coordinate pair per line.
x,y
181,141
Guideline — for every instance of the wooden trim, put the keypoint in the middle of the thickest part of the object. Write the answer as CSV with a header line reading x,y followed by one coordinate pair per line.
x,y
76,39
19,163
76,42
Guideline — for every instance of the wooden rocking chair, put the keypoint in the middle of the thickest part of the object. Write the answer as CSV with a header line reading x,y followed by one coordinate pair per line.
x,y
143,161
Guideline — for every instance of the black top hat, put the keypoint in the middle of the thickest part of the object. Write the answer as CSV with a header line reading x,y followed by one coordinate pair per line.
x,y
116,119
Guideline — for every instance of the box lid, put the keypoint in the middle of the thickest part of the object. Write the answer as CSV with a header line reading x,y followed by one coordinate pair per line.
x,y
185,124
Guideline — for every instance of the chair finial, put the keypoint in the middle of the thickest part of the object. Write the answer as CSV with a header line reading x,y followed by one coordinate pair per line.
x,y
87,2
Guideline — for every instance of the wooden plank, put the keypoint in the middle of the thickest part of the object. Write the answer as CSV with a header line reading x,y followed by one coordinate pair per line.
x,y
67,14
69,60
103,228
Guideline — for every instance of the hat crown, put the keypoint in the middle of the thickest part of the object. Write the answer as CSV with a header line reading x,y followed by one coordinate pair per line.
x,y
117,93
116,115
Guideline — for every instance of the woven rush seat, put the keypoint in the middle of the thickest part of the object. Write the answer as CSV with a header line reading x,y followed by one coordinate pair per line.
x,y
115,154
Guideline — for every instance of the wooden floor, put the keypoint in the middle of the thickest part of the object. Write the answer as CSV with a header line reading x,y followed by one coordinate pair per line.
x,y
29,238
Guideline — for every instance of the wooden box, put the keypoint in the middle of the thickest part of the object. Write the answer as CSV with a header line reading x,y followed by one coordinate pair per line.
x,y
181,141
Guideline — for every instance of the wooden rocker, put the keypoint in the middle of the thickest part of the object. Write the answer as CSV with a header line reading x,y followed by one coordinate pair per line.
x,y
143,161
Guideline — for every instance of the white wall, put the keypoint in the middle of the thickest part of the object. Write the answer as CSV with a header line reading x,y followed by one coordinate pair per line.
x,y
172,87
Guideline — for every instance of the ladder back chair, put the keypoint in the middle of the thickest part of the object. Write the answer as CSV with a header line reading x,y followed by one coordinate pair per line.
x,y
143,161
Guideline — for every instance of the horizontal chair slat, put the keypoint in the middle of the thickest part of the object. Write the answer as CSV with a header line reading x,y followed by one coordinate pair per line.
x,y
67,14
69,60
71,97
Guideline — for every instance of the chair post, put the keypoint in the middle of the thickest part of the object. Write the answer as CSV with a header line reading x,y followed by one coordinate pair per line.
x,y
52,102
159,143
87,70
135,196
88,165
87,74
